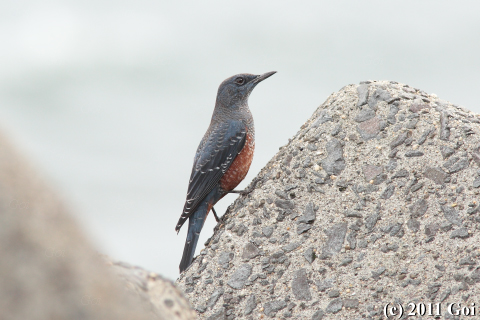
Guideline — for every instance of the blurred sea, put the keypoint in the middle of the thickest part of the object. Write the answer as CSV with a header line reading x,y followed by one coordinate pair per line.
x,y
110,100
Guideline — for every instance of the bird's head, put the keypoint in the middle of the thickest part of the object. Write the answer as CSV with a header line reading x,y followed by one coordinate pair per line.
x,y
233,92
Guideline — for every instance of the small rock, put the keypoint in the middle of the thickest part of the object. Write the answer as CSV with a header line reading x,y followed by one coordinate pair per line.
x,y
318,315
371,221
308,215
336,130
409,141
369,129
324,285
419,208
300,286
309,255
323,117
352,240
377,96
334,306
413,153
424,136
444,128
377,273
219,315
303,227
350,303
391,114
444,295
371,171
250,251
440,267
285,204
334,163
250,305
446,151
476,183
346,261
392,164
403,173
435,174
418,105
334,294
291,246
364,115
451,215
431,229
273,306
476,157
467,261
201,308
433,290
267,231
446,226
454,166
459,233
362,91
336,237
240,276
413,225
224,259
353,214
214,297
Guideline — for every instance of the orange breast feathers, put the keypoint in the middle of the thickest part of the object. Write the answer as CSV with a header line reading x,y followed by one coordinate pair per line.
x,y
240,165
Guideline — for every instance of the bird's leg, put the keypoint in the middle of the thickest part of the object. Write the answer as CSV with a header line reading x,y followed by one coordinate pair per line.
x,y
248,189
215,215
242,192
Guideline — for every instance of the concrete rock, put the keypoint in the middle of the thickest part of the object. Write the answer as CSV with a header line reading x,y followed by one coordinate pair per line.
x,y
389,212
49,270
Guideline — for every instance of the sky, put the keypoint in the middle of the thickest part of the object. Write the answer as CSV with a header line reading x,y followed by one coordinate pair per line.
x,y
110,100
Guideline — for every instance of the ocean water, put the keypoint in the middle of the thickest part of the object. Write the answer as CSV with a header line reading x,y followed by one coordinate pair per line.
x,y
109,101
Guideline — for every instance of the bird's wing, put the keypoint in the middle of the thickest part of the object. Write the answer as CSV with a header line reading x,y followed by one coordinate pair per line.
x,y
216,152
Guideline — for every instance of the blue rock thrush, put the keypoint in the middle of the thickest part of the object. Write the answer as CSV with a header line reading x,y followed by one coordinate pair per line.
x,y
223,156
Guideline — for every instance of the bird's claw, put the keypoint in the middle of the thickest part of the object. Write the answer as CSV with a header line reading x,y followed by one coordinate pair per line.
x,y
248,190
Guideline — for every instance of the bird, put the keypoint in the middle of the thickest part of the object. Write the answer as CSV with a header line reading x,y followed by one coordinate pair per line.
x,y
223,156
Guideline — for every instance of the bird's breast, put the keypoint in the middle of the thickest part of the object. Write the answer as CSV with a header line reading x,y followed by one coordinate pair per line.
x,y
240,165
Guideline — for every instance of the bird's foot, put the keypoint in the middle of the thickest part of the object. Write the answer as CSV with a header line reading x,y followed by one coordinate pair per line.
x,y
215,214
248,190
242,192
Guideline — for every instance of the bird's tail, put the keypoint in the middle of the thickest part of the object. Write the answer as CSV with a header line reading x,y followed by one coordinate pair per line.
x,y
195,225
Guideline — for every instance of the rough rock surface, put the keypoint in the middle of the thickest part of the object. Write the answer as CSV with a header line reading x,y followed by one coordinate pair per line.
x,y
48,270
159,295
375,200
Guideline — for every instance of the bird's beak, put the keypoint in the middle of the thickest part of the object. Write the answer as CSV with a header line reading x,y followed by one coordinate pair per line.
x,y
263,77
253,83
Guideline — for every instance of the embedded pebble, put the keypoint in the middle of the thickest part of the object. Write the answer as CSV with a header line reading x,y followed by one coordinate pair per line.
x,y
334,306
444,128
273,306
362,91
334,163
364,115
238,279
369,129
435,174
460,233
413,153
446,151
300,286
336,236
377,96
250,305
250,251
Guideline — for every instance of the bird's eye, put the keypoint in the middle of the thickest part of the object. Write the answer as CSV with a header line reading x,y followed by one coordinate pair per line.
x,y
239,80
